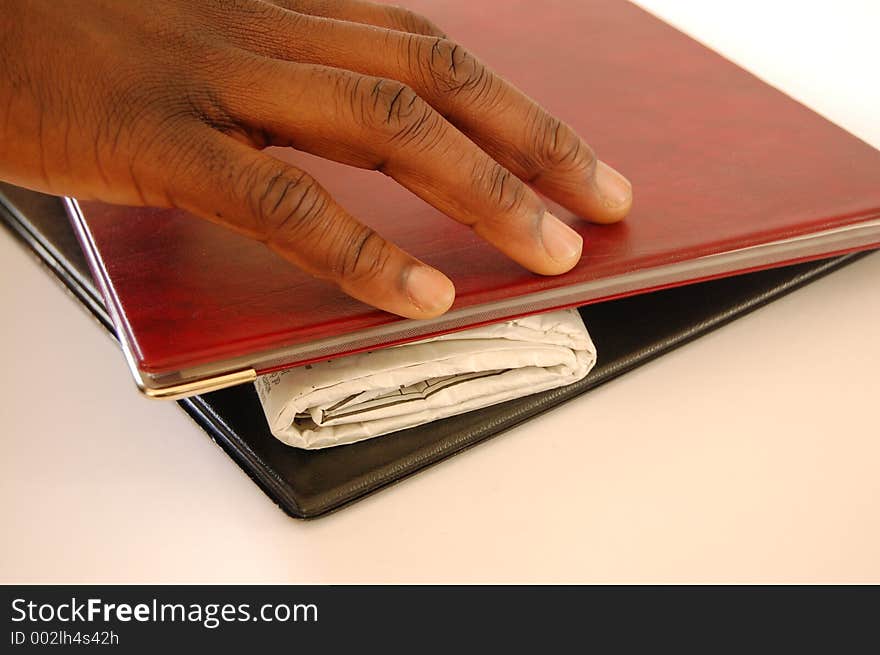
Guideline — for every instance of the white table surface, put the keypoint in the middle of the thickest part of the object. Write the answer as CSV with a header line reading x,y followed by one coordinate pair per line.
x,y
750,455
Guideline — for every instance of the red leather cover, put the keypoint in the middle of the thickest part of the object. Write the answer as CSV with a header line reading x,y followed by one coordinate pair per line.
x,y
718,160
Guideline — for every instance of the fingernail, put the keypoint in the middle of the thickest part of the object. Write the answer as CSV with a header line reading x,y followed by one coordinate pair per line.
x,y
561,242
429,290
614,188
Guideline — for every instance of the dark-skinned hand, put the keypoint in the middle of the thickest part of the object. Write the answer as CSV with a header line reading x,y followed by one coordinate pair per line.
x,y
169,103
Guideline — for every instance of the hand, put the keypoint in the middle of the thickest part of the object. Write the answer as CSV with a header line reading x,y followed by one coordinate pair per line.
x,y
169,103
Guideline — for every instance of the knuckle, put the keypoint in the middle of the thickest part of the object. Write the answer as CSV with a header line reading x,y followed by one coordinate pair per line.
x,y
503,189
397,111
557,146
392,102
289,206
211,109
451,69
359,255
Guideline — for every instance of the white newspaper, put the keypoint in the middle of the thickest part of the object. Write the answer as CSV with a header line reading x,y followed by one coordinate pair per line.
x,y
341,401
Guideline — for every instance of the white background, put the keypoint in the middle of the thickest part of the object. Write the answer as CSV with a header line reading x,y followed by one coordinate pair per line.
x,y
749,455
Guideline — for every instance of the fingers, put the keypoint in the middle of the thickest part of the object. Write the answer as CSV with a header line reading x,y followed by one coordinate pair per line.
x,y
382,124
367,13
528,141
230,183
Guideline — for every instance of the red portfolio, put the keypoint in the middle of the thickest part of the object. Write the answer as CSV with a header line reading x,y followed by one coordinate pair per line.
x,y
728,173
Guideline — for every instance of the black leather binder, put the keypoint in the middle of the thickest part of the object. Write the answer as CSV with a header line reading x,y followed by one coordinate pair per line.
x,y
305,484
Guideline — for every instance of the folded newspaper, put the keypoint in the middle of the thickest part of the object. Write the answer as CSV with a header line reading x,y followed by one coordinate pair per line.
x,y
341,401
